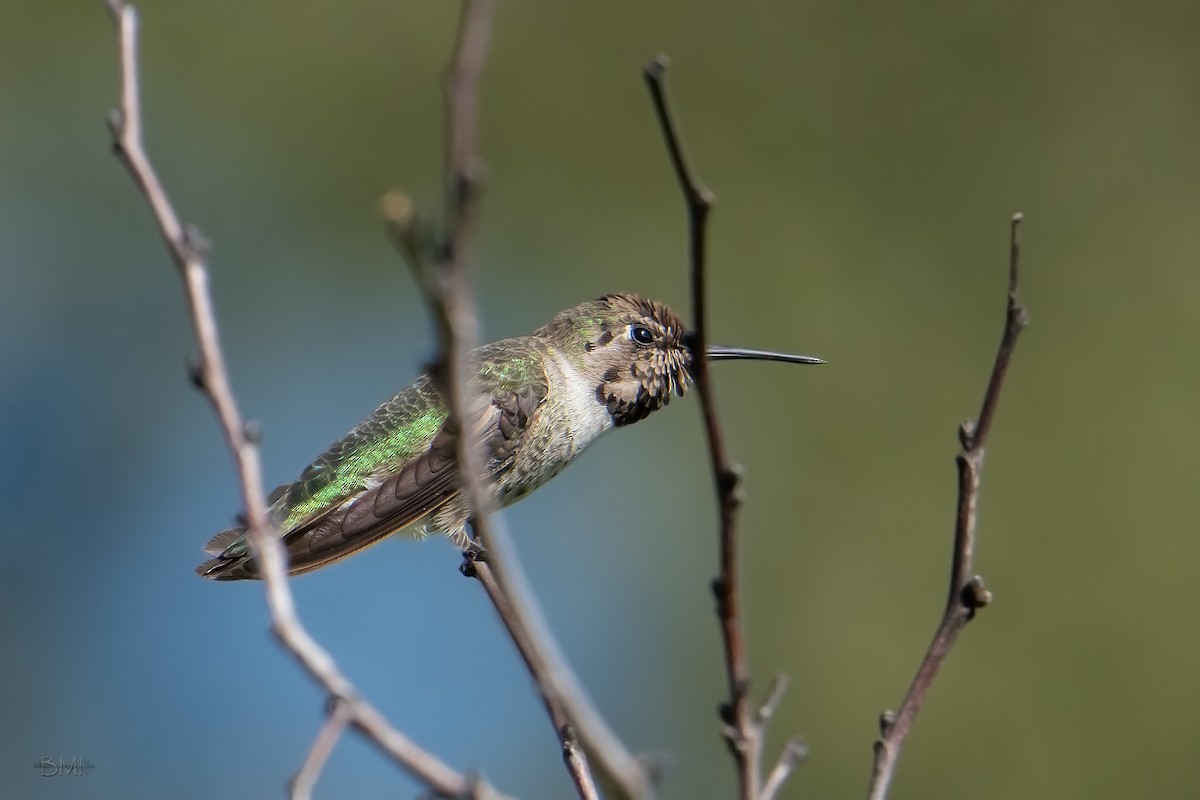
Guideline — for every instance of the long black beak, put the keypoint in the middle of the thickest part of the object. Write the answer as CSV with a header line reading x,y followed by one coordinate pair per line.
x,y
718,353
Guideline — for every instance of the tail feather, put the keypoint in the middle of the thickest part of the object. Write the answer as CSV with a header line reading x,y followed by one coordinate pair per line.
x,y
231,557
232,560
219,543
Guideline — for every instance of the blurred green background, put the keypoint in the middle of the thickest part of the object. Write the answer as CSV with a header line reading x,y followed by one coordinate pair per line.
x,y
867,156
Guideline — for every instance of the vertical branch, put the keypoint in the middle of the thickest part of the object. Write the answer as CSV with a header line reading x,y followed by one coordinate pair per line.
x,y
446,284
744,728
188,250
967,591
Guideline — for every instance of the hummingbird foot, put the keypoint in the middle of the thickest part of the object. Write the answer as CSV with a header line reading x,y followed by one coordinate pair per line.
x,y
472,553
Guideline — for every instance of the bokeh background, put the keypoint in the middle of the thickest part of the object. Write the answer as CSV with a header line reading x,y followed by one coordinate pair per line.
x,y
867,156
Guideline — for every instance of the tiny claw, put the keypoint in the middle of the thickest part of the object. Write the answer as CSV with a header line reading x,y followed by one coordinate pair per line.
x,y
472,553
886,720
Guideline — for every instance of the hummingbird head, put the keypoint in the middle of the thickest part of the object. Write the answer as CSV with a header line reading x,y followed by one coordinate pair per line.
x,y
637,351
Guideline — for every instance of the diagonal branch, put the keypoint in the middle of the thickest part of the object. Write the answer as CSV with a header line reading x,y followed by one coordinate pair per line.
x,y
318,754
744,727
967,592
477,567
187,249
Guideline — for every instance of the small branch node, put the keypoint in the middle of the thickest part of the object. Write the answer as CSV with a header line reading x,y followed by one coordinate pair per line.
x,y
975,595
252,430
966,434
728,480
733,737
195,372
116,125
886,720
718,588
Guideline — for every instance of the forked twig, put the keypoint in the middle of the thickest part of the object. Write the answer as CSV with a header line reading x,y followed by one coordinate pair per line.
x,y
967,592
744,727
187,248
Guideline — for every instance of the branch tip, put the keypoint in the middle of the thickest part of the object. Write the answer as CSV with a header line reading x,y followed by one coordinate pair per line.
x,y
774,696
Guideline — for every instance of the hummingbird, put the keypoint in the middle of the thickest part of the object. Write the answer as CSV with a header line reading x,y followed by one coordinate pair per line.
x,y
538,402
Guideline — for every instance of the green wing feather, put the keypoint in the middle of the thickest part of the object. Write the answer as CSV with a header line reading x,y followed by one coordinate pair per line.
x,y
395,468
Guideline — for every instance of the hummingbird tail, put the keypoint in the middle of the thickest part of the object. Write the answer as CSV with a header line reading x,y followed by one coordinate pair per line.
x,y
231,558
218,544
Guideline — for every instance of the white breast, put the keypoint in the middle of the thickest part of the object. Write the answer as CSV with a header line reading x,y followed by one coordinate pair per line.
x,y
588,416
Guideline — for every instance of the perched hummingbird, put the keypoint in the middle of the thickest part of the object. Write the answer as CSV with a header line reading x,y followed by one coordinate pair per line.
x,y
542,399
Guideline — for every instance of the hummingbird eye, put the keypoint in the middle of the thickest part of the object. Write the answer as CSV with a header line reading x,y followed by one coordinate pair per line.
x,y
641,334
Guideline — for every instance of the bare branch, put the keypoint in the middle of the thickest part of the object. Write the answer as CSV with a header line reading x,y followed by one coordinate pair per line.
x,y
476,567
794,753
310,770
187,249
576,762
743,727
441,263
622,774
967,592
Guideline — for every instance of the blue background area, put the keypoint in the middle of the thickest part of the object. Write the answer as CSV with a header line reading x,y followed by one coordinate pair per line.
x,y
867,157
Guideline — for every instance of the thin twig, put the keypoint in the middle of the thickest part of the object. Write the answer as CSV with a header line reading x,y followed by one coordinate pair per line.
x,y
774,696
620,773
743,726
573,757
967,592
794,752
445,281
452,301
310,770
576,761
187,249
